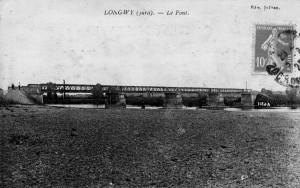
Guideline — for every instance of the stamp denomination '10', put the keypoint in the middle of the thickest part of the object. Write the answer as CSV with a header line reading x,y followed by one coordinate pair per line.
x,y
273,49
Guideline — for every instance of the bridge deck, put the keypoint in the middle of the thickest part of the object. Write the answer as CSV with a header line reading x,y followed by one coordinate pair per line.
x,y
80,88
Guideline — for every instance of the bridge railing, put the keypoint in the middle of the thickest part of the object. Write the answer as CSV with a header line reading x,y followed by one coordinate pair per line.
x,y
74,88
130,89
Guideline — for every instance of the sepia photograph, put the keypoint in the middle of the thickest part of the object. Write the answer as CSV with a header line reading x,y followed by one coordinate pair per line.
x,y
149,93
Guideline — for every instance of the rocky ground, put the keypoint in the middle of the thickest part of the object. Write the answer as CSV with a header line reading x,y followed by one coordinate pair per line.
x,y
63,147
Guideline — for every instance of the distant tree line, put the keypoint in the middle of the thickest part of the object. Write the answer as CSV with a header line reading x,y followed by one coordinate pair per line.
x,y
288,99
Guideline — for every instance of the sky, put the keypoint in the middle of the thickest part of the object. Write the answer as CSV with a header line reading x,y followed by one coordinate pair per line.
x,y
73,40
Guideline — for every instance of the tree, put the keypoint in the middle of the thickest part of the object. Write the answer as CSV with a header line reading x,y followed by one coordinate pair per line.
x,y
97,93
292,95
267,92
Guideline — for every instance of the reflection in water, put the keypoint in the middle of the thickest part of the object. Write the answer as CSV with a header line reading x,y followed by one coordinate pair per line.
x,y
103,106
99,106
78,105
273,109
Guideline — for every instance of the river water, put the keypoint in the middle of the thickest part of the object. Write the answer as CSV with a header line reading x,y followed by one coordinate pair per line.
x,y
274,109
103,106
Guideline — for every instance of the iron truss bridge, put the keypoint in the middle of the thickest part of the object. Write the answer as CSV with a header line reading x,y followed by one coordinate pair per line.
x,y
131,89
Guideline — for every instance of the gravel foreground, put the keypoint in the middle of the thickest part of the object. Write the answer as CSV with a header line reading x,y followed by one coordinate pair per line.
x,y
66,147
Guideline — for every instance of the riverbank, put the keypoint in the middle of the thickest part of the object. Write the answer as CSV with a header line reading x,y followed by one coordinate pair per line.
x,y
49,146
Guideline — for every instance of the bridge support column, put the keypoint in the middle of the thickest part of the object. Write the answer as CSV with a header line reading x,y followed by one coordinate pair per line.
x,y
246,100
173,101
215,101
115,100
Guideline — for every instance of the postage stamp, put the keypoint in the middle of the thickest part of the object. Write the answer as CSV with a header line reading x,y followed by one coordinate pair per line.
x,y
273,49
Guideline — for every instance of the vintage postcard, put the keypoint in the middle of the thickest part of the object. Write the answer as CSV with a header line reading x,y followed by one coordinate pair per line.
x,y
149,93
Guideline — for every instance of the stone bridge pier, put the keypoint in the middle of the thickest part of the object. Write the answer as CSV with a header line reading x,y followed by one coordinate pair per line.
x,y
173,101
246,100
115,100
